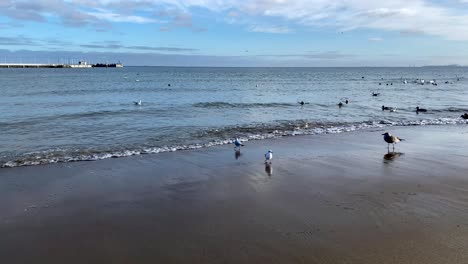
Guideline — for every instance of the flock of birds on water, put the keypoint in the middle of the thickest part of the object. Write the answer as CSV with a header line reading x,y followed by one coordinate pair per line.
x,y
388,138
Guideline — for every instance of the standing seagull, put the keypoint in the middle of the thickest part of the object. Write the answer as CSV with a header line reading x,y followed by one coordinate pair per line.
x,y
238,144
268,156
391,140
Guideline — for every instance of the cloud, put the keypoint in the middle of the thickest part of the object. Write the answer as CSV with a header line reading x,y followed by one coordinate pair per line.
x,y
431,17
102,14
169,49
270,29
113,45
327,55
411,32
18,41
375,39
102,45
436,18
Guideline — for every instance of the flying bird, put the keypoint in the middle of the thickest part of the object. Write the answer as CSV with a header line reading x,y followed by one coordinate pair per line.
x,y
391,140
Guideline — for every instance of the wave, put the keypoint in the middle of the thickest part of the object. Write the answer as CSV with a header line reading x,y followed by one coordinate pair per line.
x,y
131,110
240,105
215,137
451,110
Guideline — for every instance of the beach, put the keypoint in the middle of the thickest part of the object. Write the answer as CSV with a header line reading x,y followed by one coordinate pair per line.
x,y
328,198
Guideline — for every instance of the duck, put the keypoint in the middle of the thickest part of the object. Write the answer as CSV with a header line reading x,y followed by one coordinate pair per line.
x,y
391,109
420,109
464,116
137,102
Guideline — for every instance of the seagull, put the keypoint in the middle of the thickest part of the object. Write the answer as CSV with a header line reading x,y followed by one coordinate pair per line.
x,y
420,109
137,102
268,156
238,143
405,82
391,140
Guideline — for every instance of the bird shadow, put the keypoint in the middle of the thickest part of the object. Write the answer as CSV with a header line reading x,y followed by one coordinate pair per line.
x,y
237,154
391,156
268,169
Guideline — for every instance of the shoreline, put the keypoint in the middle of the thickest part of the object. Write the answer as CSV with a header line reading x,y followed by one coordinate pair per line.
x,y
36,159
329,198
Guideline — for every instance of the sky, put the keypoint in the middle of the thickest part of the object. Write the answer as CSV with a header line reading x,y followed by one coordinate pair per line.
x,y
303,33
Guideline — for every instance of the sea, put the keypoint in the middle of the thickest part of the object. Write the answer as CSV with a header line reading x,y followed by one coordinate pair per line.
x,y
64,115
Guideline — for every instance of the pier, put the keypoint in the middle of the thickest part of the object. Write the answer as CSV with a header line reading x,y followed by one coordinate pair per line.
x,y
81,64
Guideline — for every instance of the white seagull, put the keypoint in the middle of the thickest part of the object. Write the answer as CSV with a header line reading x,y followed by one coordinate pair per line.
x,y
268,156
137,102
391,140
238,143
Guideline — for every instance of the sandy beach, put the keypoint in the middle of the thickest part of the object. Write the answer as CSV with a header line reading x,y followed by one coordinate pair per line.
x,y
333,198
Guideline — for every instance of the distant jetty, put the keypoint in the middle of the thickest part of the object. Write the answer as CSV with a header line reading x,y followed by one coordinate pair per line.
x,y
81,64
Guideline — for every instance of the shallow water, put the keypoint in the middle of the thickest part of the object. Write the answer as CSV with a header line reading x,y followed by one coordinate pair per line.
x,y
53,115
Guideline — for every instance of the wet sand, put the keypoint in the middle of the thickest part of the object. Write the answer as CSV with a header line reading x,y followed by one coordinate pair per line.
x,y
325,199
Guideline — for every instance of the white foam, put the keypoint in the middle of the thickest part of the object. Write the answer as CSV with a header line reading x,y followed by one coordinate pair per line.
x,y
38,158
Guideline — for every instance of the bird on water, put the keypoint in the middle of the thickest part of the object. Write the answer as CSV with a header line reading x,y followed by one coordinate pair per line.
x,y
391,109
390,139
420,109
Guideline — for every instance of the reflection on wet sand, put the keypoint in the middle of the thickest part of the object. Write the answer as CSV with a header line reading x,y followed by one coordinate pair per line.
x,y
237,154
268,169
391,156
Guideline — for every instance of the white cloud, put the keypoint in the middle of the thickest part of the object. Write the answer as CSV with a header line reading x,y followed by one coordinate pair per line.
x,y
392,15
102,14
444,20
375,39
270,29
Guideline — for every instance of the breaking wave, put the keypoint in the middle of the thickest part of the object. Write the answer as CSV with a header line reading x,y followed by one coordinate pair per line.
x,y
215,137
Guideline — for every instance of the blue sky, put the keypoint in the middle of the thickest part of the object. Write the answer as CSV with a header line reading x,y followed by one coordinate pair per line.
x,y
236,33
